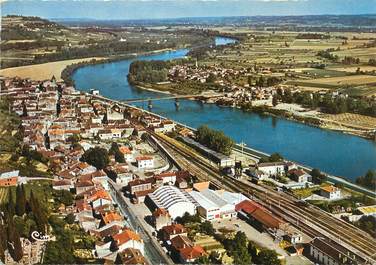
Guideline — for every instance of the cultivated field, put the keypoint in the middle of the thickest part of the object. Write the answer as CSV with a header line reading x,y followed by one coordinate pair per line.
x,y
42,71
353,69
352,120
339,81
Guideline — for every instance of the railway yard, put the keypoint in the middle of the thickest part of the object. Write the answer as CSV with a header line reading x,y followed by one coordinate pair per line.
x,y
309,219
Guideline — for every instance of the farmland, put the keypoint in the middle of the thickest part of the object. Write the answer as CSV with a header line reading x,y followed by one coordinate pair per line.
x,y
335,82
43,71
352,120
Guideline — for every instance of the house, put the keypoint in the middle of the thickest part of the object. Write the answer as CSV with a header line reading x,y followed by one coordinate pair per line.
x,y
130,256
9,178
107,231
191,254
166,178
62,185
127,152
161,218
83,186
105,134
180,241
330,192
168,232
144,162
101,201
110,217
328,252
128,239
123,176
185,249
140,185
272,169
300,175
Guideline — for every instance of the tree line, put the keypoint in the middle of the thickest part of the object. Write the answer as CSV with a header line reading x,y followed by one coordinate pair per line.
x,y
21,216
148,71
328,103
214,139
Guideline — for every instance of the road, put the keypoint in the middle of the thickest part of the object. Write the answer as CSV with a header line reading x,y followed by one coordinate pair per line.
x,y
153,251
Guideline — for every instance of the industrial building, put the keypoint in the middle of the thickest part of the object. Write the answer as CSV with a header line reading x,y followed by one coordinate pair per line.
x,y
216,204
177,202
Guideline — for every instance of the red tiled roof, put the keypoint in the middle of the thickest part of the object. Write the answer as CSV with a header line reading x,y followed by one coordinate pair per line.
x,y
192,253
174,229
179,242
111,217
160,211
126,236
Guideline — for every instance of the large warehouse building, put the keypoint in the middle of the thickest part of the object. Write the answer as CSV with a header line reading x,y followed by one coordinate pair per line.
x,y
174,200
216,204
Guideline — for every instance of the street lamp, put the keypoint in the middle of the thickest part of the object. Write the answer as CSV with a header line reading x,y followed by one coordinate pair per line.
x,y
242,144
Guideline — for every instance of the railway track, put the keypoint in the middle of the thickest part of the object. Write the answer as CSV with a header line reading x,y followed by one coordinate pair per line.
x,y
314,222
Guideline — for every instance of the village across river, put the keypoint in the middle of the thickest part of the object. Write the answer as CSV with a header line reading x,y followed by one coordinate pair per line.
x,y
332,152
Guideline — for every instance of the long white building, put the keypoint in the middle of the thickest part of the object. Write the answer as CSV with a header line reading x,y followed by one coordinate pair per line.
x,y
216,204
175,201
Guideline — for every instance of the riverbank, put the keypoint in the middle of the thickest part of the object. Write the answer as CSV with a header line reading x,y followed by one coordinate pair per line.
x,y
292,112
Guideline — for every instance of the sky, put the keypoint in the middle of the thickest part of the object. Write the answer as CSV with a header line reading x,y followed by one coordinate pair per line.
x,y
150,9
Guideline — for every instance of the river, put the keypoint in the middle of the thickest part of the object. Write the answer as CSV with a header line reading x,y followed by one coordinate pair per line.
x,y
332,152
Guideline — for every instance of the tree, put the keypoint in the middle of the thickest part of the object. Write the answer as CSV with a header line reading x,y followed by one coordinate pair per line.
x,y
238,248
275,157
14,241
207,228
275,100
187,218
368,180
70,218
20,200
37,211
317,176
267,257
3,241
24,109
114,150
97,157
65,197
10,206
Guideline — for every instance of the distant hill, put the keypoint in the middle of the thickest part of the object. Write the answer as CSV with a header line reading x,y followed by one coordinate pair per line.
x,y
353,22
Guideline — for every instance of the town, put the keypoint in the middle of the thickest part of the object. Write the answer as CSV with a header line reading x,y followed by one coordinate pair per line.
x,y
132,187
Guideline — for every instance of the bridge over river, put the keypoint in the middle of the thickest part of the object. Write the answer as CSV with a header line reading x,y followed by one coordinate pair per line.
x,y
202,96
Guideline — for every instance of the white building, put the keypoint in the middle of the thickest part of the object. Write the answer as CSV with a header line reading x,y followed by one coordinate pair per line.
x,y
129,239
328,252
272,169
144,162
177,202
216,204
330,192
